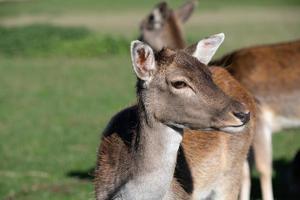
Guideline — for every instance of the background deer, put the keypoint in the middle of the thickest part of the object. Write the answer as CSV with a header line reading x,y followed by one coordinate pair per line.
x,y
164,25
271,73
140,156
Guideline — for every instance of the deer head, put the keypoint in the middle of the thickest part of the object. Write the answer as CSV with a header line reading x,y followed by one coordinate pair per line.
x,y
176,88
163,26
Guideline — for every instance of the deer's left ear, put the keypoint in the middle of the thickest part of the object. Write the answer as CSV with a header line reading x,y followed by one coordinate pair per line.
x,y
205,49
143,60
185,11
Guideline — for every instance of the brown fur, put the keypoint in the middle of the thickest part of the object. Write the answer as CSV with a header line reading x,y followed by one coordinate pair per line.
x,y
210,154
114,155
172,32
271,73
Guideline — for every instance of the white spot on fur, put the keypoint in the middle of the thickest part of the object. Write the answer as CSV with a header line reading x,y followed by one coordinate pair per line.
x,y
233,129
157,18
174,138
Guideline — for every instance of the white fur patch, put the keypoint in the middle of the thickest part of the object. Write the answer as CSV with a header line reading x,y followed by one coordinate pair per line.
x,y
233,129
174,138
157,18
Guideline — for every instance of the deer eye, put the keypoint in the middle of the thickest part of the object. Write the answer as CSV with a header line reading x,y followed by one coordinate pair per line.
x,y
179,84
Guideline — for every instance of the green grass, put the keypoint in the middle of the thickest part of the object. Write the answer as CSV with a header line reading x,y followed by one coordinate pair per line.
x,y
60,84
52,113
47,40
8,8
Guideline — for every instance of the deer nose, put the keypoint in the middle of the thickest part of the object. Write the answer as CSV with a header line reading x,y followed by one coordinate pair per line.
x,y
243,116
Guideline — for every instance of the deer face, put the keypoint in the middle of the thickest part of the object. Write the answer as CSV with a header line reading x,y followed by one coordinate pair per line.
x,y
162,27
177,89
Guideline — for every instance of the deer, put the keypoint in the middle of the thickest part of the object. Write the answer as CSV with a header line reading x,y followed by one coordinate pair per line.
x,y
170,34
272,74
188,135
164,25
267,71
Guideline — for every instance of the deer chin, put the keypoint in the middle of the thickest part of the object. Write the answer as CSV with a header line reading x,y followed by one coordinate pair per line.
x,y
227,129
233,129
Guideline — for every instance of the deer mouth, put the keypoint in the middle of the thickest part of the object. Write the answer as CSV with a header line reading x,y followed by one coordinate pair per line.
x,y
237,124
227,129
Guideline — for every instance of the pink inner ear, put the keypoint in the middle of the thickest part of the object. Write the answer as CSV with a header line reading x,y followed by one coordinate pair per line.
x,y
209,44
142,59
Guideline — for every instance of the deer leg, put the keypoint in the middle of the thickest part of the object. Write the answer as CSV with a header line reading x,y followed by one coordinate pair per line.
x,y
246,182
262,146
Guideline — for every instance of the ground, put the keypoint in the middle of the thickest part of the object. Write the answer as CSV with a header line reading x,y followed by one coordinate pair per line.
x,y
65,70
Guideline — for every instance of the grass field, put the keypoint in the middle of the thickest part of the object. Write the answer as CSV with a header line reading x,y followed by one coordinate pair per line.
x,y
65,70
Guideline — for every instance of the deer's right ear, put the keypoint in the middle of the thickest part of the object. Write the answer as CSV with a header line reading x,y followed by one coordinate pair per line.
x,y
162,8
143,60
205,49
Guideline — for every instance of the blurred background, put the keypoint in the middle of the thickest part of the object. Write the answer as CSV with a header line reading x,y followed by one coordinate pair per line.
x,y
65,70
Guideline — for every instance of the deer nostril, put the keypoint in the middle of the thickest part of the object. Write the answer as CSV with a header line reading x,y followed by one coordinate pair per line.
x,y
244,117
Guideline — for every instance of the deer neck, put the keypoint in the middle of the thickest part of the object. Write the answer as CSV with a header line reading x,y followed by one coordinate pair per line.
x,y
175,34
155,158
158,146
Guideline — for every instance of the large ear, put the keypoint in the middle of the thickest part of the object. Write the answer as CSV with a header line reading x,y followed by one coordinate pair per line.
x,y
205,49
185,11
143,60
159,13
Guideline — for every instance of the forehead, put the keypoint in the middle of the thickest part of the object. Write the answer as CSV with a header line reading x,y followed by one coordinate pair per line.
x,y
181,62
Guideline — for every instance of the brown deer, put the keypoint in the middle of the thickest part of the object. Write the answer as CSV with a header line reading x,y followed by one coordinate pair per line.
x,y
188,135
164,25
170,34
270,72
